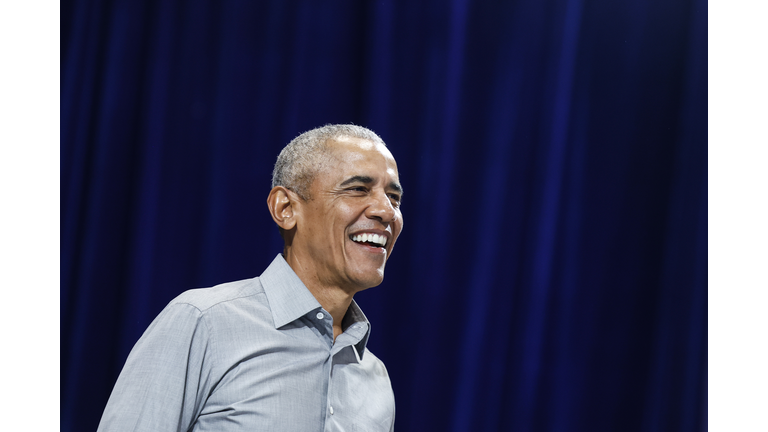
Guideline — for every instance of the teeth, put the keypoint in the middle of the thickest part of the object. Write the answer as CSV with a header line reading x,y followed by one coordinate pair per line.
x,y
372,238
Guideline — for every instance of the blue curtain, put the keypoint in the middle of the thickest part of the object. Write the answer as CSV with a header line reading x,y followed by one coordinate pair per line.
x,y
552,271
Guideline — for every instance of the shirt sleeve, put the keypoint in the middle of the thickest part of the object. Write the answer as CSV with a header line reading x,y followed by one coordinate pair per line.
x,y
163,384
392,426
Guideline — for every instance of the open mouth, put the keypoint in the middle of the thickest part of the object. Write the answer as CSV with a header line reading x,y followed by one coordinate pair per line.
x,y
373,240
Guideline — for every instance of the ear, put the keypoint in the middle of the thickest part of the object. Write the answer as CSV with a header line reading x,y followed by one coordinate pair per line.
x,y
281,206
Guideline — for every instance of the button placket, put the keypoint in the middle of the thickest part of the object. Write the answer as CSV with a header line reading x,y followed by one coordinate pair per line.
x,y
329,396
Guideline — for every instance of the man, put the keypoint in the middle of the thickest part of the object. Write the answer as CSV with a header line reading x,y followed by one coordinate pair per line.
x,y
284,351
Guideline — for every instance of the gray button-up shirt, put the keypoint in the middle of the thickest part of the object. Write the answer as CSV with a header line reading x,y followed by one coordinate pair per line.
x,y
252,355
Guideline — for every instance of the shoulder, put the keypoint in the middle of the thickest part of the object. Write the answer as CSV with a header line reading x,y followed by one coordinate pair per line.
x,y
203,299
218,307
374,365
225,311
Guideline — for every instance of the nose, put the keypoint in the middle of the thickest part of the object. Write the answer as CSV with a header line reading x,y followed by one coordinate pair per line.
x,y
381,208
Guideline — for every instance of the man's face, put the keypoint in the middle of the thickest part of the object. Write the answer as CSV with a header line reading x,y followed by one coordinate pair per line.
x,y
355,203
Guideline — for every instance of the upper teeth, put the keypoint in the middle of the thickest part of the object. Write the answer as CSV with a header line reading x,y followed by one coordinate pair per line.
x,y
373,238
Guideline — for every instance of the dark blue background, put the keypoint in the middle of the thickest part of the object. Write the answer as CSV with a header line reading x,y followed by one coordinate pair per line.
x,y
552,271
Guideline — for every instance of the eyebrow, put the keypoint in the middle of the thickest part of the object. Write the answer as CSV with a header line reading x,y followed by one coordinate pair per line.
x,y
368,180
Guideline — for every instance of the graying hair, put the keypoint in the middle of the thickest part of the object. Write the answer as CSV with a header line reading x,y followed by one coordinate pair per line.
x,y
300,160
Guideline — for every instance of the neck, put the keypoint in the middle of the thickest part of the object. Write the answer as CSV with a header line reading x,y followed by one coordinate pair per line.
x,y
336,302
334,299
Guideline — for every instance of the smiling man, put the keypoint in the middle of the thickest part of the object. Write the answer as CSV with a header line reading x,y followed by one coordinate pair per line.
x,y
285,351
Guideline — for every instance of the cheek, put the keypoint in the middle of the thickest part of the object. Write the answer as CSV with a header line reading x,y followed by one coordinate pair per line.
x,y
338,224
348,213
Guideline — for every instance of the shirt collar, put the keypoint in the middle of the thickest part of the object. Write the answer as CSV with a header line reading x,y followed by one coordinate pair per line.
x,y
289,299
357,325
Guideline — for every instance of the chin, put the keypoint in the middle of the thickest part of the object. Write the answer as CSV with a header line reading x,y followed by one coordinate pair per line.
x,y
370,280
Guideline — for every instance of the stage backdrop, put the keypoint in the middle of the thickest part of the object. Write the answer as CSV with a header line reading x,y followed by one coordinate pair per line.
x,y
551,274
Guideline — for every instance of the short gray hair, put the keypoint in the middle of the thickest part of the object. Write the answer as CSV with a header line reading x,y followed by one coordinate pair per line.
x,y
300,160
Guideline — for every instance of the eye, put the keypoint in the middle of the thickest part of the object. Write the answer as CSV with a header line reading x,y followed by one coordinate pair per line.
x,y
395,198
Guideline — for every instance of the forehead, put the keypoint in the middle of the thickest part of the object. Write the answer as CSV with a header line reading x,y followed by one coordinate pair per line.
x,y
355,156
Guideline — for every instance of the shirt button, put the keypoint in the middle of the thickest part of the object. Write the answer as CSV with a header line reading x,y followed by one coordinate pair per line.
x,y
331,410
321,316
